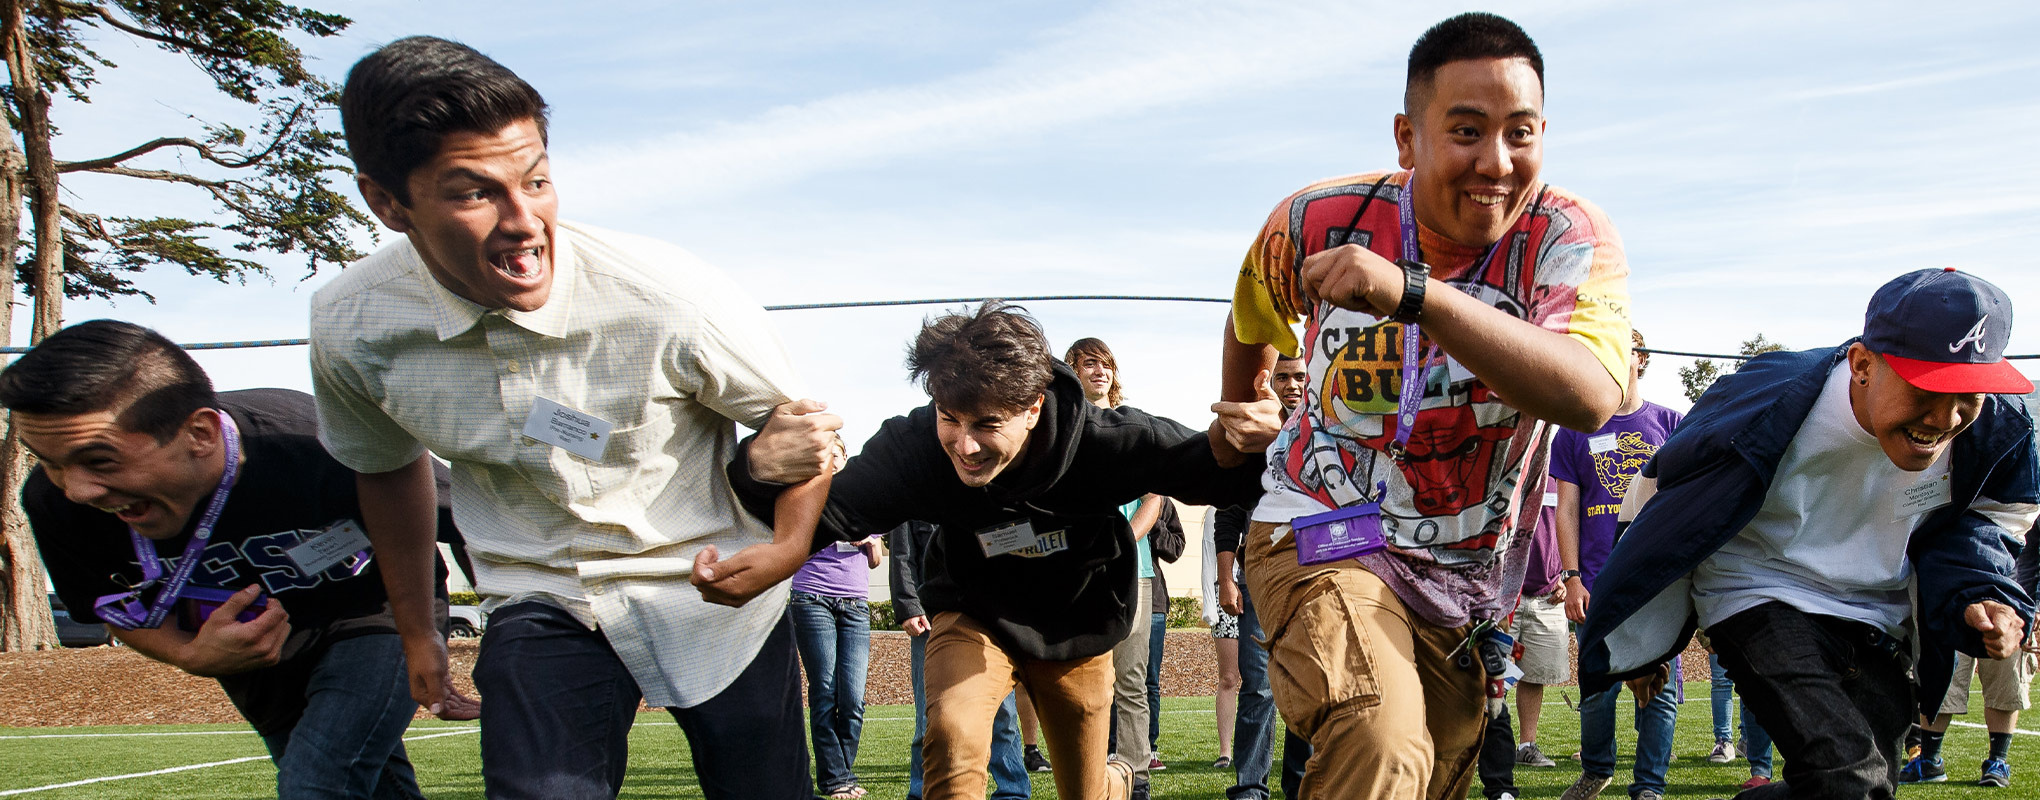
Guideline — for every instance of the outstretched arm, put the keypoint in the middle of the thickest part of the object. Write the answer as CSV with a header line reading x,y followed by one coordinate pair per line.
x,y
400,510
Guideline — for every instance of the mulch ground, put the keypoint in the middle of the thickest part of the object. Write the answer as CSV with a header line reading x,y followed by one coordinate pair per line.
x,y
117,686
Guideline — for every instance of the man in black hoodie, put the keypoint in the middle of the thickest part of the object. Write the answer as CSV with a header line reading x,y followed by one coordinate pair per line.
x,y
1032,575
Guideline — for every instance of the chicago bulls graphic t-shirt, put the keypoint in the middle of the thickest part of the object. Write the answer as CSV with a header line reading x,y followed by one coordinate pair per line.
x,y
1602,464
1449,507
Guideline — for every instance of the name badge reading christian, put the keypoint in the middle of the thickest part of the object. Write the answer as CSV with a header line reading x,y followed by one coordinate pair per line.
x,y
1924,496
1009,538
1338,535
577,432
320,551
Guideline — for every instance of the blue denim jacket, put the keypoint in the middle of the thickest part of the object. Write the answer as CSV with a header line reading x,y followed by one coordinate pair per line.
x,y
1712,476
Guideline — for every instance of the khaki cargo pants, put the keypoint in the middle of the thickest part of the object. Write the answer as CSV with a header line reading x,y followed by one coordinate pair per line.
x,y
1387,712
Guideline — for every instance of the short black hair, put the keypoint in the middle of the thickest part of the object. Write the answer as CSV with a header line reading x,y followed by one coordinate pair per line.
x,y
150,383
994,358
403,99
1469,36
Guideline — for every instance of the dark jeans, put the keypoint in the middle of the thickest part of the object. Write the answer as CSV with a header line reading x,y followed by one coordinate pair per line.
x,y
558,706
334,719
1832,693
1254,721
834,634
1498,756
1158,631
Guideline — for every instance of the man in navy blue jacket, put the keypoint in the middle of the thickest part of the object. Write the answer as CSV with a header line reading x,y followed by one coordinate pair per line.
x,y
1805,502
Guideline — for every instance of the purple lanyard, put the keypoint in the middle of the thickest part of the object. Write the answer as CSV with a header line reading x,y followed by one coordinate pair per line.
x,y
1413,391
125,610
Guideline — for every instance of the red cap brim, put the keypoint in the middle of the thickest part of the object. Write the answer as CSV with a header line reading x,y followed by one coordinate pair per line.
x,y
1934,376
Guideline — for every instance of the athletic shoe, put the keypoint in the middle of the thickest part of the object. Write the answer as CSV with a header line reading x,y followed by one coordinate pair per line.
x,y
1755,781
1923,770
1995,773
1223,762
1036,762
1528,755
1587,787
1155,763
1648,795
1503,796
1723,752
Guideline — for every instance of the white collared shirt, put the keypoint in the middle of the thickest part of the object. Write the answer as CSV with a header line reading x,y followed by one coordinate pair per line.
x,y
637,333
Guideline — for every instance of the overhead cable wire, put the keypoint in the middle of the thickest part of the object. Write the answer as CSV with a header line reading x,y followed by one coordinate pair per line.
x,y
929,302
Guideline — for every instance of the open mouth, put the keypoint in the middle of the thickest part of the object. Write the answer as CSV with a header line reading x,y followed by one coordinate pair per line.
x,y
522,264
1923,440
130,513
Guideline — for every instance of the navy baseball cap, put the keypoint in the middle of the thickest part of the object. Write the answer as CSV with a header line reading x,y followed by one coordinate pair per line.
x,y
1945,331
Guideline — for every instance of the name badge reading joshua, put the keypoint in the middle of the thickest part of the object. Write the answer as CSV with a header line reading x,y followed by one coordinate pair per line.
x,y
1601,444
577,432
320,551
1338,535
1924,496
1009,538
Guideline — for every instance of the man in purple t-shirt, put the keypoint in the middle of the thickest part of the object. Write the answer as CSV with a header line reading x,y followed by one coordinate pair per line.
x,y
1591,473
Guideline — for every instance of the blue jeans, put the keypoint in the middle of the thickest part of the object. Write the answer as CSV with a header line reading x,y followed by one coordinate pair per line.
x,y
1158,631
1654,724
334,721
834,636
1756,742
1009,766
1254,721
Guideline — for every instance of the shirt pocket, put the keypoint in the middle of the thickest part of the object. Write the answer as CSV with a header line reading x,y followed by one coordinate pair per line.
x,y
635,457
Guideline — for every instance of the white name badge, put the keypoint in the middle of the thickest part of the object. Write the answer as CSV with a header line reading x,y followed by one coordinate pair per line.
x,y
320,551
1551,499
1925,496
577,432
1008,538
1601,444
847,547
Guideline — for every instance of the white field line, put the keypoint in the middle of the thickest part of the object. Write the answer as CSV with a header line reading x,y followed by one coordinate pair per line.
x,y
189,767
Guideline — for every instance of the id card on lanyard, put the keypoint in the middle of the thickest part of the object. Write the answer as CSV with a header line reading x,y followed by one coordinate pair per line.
x,y
1355,529
126,610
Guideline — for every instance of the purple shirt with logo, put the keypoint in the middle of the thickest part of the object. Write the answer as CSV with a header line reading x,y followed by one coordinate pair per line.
x,y
836,571
1602,464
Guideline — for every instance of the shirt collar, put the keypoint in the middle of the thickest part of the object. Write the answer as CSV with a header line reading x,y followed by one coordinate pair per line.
x,y
453,315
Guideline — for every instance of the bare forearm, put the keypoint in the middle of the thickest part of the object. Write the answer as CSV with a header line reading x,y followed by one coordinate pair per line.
x,y
1565,525
1544,374
400,510
1241,364
1225,568
798,509
166,644
1144,517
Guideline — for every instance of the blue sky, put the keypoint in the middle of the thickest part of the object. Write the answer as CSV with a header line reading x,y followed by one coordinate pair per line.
x,y
1768,164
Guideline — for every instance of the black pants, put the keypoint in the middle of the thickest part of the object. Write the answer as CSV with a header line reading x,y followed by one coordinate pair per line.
x,y
557,706
1833,694
1498,756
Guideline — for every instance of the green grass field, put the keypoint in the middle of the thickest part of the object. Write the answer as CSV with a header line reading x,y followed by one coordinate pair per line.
x,y
448,765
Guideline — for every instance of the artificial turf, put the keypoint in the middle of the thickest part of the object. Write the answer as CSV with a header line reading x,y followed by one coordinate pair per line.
x,y
448,762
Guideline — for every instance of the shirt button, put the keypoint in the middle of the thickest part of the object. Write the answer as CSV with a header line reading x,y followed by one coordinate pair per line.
x,y
512,366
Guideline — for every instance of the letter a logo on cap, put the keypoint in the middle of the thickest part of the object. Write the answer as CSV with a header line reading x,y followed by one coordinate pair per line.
x,y
1974,336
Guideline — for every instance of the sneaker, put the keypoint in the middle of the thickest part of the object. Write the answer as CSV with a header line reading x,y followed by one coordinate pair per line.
x,y
1723,752
1155,763
1923,770
1755,781
1503,796
1528,755
1648,795
1223,762
1587,787
1995,773
1036,762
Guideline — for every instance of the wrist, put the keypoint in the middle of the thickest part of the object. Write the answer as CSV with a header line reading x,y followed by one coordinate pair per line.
x,y
1570,576
1409,305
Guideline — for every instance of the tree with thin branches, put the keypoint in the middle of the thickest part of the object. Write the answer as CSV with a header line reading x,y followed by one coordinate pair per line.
x,y
264,189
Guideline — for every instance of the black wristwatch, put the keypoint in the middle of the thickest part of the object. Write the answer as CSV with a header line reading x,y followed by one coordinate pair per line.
x,y
1568,574
1415,273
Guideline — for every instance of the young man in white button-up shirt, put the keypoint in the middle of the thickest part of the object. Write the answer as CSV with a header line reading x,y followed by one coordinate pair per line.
x,y
583,384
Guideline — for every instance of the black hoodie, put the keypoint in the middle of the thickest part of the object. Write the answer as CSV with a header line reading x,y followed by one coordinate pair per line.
x,y
1082,463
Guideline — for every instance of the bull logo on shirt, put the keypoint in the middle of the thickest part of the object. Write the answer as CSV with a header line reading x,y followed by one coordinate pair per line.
x,y
1616,467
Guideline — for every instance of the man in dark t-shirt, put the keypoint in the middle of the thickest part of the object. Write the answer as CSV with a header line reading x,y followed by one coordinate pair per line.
x,y
271,586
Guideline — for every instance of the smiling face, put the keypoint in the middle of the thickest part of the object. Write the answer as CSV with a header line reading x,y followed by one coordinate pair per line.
x,y
980,446
1476,146
482,215
1096,376
1288,381
1912,425
151,486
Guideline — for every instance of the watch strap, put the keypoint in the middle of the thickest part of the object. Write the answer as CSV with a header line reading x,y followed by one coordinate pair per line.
x,y
1415,274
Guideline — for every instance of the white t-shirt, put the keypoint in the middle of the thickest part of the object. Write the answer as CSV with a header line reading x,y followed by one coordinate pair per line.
x,y
1831,538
